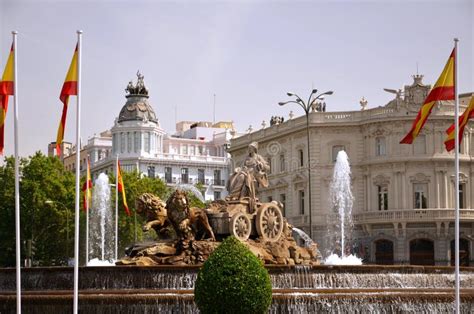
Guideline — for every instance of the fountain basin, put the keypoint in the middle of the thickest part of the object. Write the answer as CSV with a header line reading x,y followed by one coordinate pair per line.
x,y
169,289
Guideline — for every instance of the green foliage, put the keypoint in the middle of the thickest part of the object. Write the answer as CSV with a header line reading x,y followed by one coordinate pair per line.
x,y
46,224
233,280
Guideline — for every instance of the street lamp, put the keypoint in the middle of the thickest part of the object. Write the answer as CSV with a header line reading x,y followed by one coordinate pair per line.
x,y
307,107
50,202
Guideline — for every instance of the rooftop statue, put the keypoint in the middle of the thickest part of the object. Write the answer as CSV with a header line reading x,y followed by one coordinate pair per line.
x,y
139,88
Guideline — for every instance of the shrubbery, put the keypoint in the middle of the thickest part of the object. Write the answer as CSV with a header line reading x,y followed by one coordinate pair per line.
x,y
233,280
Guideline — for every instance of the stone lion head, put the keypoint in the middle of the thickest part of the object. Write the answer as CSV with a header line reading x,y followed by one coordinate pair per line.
x,y
148,202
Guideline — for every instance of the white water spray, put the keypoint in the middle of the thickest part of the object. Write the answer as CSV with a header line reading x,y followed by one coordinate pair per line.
x,y
342,200
101,223
192,189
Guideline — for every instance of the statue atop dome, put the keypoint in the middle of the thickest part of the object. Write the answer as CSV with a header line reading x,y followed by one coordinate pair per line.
x,y
139,88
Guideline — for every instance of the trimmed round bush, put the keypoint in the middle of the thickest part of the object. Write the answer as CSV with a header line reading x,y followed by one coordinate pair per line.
x,y
233,280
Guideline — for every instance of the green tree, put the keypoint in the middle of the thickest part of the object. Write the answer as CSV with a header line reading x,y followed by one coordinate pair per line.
x,y
46,196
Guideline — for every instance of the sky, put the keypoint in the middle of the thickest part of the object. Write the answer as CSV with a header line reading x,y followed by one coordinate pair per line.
x,y
247,53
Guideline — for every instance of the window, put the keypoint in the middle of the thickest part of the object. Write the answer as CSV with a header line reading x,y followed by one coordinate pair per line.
x,y
217,177
301,201
421,195
301,157
191,150
282,163
146,139
269,161
380,146
335,150
420,144
283,202
114,143
462,201
184,150
217,195
129,141
382,197
184,175
168,174
201,176
200,150
137,142
151,171
122,143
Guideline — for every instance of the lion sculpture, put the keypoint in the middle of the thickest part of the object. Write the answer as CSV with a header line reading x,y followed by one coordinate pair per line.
x,y
154,209
187,221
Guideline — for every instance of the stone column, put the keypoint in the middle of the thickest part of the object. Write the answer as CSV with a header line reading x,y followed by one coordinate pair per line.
x,y
438,204
404,190
445,190
395,192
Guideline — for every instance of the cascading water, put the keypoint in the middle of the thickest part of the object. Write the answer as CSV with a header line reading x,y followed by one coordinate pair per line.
x,y
341,200
101,224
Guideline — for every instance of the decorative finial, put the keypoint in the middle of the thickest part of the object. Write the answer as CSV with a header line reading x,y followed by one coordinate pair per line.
x,y
264,124
291,115
250,129
363,103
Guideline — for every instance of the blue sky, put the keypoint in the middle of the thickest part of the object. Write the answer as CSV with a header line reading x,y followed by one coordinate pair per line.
x,y
248,53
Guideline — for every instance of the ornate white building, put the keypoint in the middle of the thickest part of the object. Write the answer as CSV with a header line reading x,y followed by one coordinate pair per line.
x,y
403,194
196,153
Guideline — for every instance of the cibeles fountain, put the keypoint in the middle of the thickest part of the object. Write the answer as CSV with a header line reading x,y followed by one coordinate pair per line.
x,y
186,237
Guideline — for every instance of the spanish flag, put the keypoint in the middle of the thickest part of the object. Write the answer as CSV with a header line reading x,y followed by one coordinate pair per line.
x,y
6,89
86,188
69,88
121,188
463,120
442,90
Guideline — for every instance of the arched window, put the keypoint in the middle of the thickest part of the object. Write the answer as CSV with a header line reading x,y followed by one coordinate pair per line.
x,y
463,252
421,252
383,252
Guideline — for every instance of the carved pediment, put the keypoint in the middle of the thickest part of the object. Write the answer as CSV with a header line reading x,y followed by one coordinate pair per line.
x,y
420,178
381,180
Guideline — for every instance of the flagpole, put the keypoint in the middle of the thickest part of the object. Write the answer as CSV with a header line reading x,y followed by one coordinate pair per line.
x,y
116,207
17,177
78,174
87,211
456,166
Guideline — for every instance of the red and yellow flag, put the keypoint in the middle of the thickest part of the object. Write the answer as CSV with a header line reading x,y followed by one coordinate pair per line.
x,y
121,188
69,88
463,120
6,89
442,90
86,188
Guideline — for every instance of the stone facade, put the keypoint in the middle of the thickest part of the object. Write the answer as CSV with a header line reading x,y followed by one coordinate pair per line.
x,y
404,194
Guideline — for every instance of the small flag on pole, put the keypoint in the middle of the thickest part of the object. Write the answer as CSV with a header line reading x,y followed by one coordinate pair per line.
x,y
442,90
121,188
6,89
463,120
87,186
69,88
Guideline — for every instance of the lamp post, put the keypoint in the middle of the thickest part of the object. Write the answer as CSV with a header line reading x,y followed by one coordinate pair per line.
x,y
307,107
50,202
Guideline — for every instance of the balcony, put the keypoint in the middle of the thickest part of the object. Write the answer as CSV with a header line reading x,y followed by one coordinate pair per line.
x,y
413,215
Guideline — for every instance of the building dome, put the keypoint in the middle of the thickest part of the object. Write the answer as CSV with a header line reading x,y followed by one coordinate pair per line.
x,y
137,107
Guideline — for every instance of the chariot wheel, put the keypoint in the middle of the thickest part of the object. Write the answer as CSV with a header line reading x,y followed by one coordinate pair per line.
x,y
269,222
240,226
